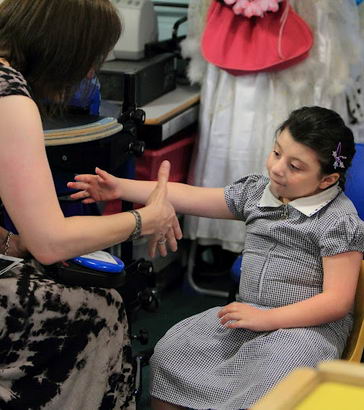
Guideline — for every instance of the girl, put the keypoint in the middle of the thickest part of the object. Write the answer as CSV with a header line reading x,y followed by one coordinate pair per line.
x,y
60,347
299,273
237,113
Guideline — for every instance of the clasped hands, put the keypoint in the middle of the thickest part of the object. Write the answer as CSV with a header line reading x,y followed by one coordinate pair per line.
x,y
105,187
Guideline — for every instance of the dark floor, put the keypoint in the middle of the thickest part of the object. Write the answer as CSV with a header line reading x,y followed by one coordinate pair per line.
x,y
177,302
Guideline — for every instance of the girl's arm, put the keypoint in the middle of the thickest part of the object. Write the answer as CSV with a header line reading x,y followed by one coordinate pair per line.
x,y
186,199
340,280
28,193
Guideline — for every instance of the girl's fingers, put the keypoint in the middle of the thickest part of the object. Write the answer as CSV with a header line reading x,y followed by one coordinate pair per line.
x,y
230,316
101,173
80,186
82,195
84,178
227,309
236,325
88,201
78,195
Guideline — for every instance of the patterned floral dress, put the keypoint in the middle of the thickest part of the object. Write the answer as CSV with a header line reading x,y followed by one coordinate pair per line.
x,y
60,347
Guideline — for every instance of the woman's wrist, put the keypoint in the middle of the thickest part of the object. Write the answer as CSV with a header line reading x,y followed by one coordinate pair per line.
x,y
138,225
6,243
149,220
13,246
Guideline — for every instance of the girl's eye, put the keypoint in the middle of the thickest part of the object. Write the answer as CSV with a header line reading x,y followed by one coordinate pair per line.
x,y
276,153
294,167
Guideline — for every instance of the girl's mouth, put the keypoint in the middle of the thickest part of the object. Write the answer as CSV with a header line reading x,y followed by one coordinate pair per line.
x,y
277,183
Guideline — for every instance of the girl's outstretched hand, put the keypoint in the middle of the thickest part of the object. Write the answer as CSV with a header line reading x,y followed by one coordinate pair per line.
x,y
241,315
168,229
94,188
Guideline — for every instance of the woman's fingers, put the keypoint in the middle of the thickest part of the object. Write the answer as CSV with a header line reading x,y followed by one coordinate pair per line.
x,y
157,241
162,245
163,173
177,231
152,244
162,241
171,240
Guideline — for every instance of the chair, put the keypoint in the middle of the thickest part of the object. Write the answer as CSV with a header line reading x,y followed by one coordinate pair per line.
x,y
235,278
355,344
355,180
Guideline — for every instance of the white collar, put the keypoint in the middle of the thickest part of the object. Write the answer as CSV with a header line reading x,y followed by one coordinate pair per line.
x,y
308,205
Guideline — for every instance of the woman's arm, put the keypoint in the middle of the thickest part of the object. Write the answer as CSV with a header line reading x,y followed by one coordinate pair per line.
x,y
186,199
340,280
28,193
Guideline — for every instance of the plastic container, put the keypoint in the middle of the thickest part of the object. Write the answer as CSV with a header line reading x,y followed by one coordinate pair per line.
x,y
178,154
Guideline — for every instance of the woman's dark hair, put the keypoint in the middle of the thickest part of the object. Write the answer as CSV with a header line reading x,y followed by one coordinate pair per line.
x,y
323,131
55,43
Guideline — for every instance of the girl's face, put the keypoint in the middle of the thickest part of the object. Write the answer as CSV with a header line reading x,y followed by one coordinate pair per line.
x,y
294,170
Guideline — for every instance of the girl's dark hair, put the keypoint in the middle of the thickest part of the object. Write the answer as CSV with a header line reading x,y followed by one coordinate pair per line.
x,y
55,43
322,130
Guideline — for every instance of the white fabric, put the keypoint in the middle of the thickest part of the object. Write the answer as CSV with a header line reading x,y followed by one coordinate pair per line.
x,y
308,205
239,115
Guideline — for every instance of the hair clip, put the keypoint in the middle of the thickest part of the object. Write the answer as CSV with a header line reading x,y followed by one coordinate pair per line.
x,y
337,157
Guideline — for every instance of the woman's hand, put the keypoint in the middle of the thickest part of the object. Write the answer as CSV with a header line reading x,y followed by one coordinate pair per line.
x,y
167,230
241,315
94,188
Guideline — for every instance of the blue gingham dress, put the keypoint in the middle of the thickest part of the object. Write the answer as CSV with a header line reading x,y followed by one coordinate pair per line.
x,y
202,365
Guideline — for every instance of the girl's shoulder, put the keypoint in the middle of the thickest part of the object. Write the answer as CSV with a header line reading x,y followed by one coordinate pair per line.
x,y
244,193
340,207
341,229
252,183
12,82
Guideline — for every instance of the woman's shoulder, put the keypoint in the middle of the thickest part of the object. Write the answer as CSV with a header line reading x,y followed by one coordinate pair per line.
x,y
12,82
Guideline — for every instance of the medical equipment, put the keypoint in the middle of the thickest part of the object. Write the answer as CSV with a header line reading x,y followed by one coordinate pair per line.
x,y
151,78
139,21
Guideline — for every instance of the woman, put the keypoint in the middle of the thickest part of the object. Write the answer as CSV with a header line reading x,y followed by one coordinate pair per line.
x,y
60,348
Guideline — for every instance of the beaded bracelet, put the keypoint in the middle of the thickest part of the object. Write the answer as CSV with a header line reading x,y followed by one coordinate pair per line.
x,y
138,226
6,242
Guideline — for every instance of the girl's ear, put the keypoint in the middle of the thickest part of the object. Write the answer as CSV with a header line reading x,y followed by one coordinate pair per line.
x,y
329,180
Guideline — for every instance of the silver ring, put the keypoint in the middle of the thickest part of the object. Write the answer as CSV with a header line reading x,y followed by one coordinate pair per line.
x,y
162,241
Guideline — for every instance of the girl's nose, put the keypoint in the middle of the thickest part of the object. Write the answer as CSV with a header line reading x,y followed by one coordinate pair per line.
x,y
278,167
